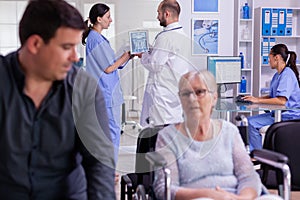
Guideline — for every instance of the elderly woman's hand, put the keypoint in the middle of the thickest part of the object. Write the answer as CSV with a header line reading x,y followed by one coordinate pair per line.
x,y
221,194
245,194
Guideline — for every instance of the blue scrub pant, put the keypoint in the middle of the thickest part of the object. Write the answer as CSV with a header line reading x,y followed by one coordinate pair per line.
x,y
255,123
114,118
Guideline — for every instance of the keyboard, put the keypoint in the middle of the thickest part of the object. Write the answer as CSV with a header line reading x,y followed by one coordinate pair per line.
x,y
239,100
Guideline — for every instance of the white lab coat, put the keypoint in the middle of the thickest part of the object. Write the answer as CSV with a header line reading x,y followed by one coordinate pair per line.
x,y
166,63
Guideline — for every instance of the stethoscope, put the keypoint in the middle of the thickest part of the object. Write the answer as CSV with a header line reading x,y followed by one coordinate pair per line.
x,y
172,29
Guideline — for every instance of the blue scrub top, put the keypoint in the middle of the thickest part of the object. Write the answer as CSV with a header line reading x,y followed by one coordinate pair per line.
x,y
99,56
285,84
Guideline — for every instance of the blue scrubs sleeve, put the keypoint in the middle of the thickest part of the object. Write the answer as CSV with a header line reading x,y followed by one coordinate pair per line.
x,y
286,84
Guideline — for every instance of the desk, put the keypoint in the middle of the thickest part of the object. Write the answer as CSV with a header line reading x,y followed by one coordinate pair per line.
x,y
229,105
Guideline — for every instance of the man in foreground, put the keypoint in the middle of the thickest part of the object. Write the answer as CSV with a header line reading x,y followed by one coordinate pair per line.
x,y
42,98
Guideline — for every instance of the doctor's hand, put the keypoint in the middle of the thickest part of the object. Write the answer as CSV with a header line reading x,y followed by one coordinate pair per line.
x,y
138,55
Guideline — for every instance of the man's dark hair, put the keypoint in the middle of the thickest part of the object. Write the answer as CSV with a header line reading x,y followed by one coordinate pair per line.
x,y
44,17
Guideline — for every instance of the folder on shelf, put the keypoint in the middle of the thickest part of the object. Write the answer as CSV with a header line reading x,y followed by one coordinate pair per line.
x,y
289,22
266,21
281,21
265,51
272,42
274,26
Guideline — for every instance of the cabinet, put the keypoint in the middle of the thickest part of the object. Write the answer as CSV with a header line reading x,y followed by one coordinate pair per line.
x,y
273,25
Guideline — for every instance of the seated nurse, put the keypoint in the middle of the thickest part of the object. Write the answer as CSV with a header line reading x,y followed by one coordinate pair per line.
x,y
284,90
207,157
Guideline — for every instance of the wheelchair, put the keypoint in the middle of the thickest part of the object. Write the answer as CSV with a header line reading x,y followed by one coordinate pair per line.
x,y
267,157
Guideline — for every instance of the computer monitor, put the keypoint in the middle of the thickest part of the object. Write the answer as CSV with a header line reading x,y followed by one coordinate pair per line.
x,y
226,69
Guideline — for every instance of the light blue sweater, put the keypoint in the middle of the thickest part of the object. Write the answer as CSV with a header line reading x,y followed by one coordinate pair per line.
x,y
221,161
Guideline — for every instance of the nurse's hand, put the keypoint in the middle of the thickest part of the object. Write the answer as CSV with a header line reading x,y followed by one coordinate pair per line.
x,y
251,98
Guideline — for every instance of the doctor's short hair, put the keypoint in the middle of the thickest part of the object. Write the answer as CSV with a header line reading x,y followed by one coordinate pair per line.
x,y
171,5
204,75
44,17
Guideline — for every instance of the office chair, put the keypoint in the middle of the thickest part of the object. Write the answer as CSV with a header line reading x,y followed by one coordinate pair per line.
x,y
283,137
145,143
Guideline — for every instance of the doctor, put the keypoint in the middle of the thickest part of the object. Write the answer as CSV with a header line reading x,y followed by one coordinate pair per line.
x,y
166,62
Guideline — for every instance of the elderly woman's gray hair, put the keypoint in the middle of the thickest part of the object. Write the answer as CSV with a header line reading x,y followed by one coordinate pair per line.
x,y
207,77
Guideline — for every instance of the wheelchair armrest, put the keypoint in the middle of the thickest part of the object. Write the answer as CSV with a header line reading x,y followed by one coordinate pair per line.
x,y
156,159
264,155
126,180
276,160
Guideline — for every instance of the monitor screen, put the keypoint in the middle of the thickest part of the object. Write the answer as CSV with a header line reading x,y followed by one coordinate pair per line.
x,y
226,69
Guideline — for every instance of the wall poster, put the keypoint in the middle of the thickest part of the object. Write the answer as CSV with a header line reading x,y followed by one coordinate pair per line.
x,y
207,6
205,36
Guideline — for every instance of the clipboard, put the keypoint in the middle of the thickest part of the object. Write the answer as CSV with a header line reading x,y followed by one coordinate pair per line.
x,y
139,41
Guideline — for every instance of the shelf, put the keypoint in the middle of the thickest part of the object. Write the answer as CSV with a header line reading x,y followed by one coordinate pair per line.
x,y
244,111
244,34
246,20
264,65
244,93
246,41
263,73
284,37
246,70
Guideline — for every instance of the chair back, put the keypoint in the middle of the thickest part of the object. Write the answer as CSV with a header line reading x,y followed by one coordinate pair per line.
x,y
284,137
145,143
142,175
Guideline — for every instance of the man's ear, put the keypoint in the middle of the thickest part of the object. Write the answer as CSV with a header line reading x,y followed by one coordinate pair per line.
x,y
33,43
167,13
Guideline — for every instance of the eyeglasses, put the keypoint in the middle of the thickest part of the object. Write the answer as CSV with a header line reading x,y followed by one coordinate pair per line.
x,y
199,93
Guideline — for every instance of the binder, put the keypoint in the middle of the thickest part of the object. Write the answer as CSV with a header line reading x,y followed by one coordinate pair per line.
x,y
265,51
272,42
274,26
266,21
289,22
281,22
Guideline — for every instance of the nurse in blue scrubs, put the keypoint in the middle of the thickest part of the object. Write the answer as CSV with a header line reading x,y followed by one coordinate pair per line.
x,y
284,90
101,62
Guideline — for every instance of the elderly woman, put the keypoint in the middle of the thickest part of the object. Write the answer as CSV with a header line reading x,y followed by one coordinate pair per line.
x,y
207,157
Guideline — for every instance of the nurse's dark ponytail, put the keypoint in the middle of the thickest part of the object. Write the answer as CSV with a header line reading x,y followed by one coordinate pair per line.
x,y
86,32
97,10
284,52
292,64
